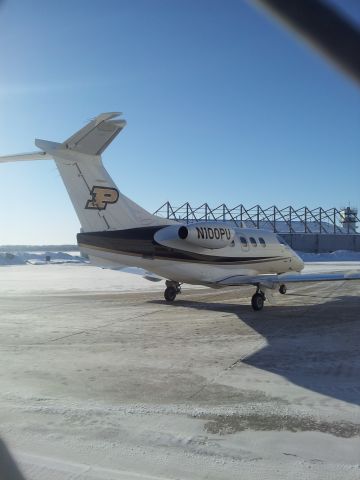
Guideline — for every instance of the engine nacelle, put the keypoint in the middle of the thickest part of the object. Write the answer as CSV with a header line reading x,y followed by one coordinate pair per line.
x,y
207,235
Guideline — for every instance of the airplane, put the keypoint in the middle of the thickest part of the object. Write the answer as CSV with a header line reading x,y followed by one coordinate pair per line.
x,y
117,232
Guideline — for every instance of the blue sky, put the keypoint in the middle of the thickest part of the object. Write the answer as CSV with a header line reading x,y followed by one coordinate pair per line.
x,y
222,104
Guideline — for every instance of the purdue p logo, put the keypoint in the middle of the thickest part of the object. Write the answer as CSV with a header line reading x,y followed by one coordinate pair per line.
x,y
100,197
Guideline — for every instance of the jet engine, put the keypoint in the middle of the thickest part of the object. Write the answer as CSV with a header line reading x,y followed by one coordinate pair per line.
x,y
207,235
202,234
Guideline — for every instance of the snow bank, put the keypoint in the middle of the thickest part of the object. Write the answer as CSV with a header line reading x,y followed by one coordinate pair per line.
x,y
11,259
338,256
39,258
70,278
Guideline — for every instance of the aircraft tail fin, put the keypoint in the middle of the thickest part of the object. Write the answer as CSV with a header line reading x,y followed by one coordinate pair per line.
x,y
98,203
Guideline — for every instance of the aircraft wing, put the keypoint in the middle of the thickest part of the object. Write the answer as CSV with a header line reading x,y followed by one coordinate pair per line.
x,y
152,277
272,281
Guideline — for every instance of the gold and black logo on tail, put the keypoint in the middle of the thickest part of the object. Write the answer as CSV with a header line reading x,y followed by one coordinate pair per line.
x,y
101,197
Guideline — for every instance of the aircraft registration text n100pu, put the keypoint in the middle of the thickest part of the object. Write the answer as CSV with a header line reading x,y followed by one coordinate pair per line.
x,y
116,232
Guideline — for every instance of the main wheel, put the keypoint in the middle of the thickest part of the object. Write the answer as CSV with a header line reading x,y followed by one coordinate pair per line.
x,y
257,301
282,289
170,294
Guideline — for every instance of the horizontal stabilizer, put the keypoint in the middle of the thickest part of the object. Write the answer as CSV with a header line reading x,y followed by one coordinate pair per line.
x,y
25,157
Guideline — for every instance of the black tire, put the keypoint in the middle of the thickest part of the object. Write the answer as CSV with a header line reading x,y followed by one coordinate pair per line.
x,y
170,294
257,301
282,289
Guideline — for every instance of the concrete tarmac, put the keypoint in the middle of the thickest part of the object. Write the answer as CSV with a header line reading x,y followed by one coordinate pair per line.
x,y
122,385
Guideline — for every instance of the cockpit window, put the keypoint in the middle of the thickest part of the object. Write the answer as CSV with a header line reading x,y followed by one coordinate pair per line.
x,y
253,242
281,240
262,242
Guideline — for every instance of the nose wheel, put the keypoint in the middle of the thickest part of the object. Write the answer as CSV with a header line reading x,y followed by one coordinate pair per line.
x,y
282,289
258,299
171,290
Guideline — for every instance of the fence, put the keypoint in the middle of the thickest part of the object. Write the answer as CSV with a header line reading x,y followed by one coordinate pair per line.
x,y
279,220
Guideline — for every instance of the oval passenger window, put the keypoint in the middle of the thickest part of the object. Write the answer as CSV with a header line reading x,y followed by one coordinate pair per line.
x,y
243,241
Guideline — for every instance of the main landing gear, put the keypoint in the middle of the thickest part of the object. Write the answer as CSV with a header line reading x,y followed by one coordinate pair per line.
x,y
258,299
172,289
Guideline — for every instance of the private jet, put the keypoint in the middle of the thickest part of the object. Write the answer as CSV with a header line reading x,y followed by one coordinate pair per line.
x,y
117,232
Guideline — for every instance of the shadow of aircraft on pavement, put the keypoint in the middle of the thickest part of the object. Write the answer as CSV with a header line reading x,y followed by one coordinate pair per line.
x,y
314,346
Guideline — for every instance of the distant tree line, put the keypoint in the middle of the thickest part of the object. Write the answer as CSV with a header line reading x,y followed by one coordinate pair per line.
x,y
39,248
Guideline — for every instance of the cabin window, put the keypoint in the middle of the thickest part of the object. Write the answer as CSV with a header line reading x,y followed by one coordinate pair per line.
x,y
262,242
253,242
243,241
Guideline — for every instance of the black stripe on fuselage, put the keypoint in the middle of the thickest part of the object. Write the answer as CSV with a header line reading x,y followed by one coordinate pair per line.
x,y
140,242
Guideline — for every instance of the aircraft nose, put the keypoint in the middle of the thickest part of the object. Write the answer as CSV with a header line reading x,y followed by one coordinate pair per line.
x,y
298,263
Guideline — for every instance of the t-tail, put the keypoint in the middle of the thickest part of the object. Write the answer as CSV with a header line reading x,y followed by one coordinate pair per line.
x,y
99,204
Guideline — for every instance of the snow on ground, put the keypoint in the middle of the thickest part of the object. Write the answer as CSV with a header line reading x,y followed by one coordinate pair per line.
x,y
338,256
102,379
70,278
74,278
328,267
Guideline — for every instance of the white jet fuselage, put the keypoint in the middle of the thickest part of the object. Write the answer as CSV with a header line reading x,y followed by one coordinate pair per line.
x,y
161,250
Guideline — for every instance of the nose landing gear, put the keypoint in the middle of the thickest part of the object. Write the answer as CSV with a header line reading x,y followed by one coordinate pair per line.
x,y
172,289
